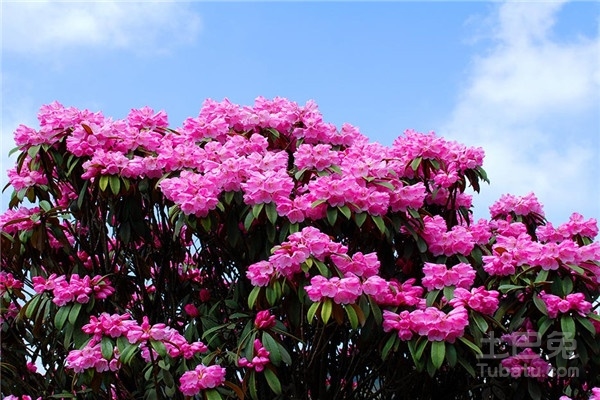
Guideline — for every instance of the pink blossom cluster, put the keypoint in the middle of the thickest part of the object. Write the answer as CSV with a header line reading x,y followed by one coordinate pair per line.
x,y
114,326
529,364
8,283
260,359
514,247
413,145
344,290
459,240
175,343
317,157
478,299
23,397
363,265
431,322
90,356
200,378
264,320
571,302
520,205
576,225
25,178
438,276
21,219
393,293
77,289
287,258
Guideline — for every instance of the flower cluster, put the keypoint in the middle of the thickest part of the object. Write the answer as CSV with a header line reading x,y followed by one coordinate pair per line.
x,y
518,205
527,363
571,302
200,378
458,240
478,299
115,326
77,289
8,283
438,276
430,322
264,320
343,291
287,258
260,359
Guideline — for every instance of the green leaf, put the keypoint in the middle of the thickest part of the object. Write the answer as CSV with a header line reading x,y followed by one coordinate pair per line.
x,y
212,394
346,211
586,324
352,317
31,305
539,303
107,348
332,214
376,310
360,218
61,316
431,297
416,348
272,346
449,292
257,209
74,313
378,220
115,184
127,353
273,381
271,213
471,345
248,220
567,285
480,322
103,182
451,355
415,163
438,352
388,346
45,205
421,244
326,309
543,324
567,324
252,385
33,151
253,296
312,310
509,288
159,347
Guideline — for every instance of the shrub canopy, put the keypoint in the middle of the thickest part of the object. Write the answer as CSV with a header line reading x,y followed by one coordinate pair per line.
x,y
260,252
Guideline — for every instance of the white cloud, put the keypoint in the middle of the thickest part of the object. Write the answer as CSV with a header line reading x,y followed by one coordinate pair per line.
x,y
531,101
44,28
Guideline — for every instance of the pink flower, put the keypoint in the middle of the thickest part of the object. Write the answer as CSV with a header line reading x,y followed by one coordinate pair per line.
x,y
202,377
191,310
260,359
110,325
529,364
437,276
478,299
343,291
145,331
574,301
264,320
260,273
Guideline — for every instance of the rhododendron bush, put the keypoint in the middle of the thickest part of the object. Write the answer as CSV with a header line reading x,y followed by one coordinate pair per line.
x,y
259,252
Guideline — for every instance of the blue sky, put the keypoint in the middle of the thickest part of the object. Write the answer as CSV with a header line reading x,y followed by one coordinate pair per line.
x,y
521,80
